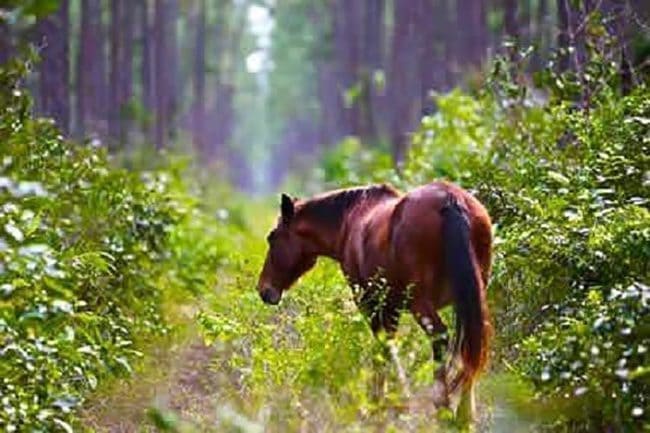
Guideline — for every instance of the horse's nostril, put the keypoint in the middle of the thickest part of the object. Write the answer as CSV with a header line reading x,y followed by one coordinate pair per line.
x,y
269,296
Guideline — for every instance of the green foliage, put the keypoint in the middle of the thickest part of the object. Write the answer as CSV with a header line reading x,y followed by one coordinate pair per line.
x,y
84,265
26,8
351,164
594,352
311,360
568,192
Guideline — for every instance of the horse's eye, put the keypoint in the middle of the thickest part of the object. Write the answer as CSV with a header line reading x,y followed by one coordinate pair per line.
x,y
270,236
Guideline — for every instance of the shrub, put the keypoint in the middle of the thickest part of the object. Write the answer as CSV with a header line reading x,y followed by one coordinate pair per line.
x,y
83,246
567,190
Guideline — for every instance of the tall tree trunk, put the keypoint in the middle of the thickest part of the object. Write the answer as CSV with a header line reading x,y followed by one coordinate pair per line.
x,y
511,27
428,55
216,131
481,36
404,89
524,23
198,127
511,24
564,31
54,75
618,20
91,70
126,73
6,46
331,104
440,32
449,39
147,77
115,74
371,61
623,37
173,80
472,42
542,34
348,26
162,75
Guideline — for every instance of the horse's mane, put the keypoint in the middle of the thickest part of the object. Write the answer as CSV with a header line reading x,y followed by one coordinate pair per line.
x,y
330,207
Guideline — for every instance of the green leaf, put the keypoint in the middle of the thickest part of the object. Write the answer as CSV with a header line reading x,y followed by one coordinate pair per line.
x,y
41,8
14,232
63,425
558,177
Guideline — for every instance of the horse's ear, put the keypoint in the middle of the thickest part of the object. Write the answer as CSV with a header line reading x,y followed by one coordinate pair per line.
x,y
286,208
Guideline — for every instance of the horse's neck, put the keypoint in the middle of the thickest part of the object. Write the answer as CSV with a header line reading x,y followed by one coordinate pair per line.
x,y
331,219
354,220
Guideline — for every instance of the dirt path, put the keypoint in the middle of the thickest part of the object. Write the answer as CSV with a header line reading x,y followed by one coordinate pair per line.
x,y
175,386
177,391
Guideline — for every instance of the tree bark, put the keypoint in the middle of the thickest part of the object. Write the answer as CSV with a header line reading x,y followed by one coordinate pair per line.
x,y
510,12
115,74
161,67
91,70
563,38
511,28
371,61
348,36
173,82
199,81
146,71
404,90
449,39
542,35
126,73
428,55
54,76
472,26
442,44
6,46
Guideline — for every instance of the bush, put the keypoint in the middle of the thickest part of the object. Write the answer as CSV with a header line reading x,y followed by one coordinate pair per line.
x,y
83,249
567,190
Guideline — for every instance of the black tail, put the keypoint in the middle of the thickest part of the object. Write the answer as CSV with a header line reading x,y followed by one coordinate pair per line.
x,y
472,317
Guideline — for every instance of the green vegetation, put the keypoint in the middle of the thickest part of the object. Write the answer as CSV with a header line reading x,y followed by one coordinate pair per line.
x,y
567,189
94,260
88,256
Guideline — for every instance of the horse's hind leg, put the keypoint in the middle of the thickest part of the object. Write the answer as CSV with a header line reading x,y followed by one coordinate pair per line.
x,y
432,324
466,405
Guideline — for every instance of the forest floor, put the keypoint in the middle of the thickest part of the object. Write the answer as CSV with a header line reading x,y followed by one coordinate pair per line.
x,y
183,385
173,386
177,390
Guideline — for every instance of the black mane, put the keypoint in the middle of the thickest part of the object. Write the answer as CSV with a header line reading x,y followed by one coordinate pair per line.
x,y
330,207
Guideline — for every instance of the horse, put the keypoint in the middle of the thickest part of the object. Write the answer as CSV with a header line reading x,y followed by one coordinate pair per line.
x,y
431,246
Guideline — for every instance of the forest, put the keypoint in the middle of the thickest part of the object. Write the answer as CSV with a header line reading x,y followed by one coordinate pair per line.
x,y
144,145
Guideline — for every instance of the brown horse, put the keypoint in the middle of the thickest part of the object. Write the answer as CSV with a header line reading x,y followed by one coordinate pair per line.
x,y
432,247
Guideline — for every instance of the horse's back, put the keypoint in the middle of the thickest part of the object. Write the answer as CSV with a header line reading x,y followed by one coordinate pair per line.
x,y
417,238
419,213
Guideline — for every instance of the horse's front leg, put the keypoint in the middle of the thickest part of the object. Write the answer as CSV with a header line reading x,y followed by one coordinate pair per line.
x,y
429,320
383,323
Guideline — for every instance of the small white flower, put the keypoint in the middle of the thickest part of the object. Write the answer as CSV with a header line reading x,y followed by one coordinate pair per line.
x,y
622,373
580,391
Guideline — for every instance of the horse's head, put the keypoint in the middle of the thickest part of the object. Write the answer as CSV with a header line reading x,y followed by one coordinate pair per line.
x,y
288,257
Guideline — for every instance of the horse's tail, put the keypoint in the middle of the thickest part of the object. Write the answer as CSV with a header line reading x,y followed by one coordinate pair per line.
x,y
473,328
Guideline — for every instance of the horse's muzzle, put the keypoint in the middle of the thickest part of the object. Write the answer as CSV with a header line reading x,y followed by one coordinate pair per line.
x,y
270,296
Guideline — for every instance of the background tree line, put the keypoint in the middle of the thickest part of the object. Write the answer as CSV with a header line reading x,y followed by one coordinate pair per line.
x,y
263,86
